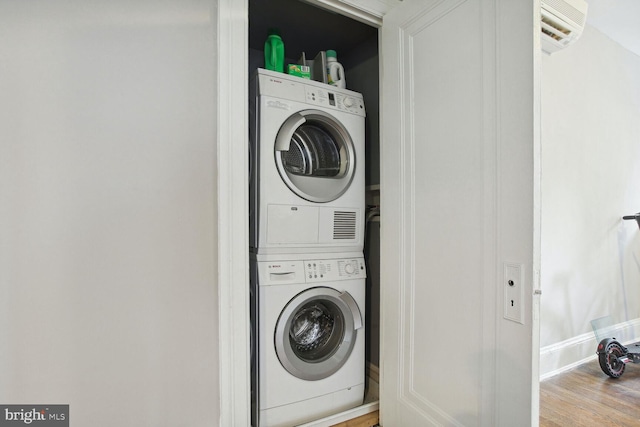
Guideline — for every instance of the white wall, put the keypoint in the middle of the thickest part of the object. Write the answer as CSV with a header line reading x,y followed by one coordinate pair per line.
x,y
108,298
590,179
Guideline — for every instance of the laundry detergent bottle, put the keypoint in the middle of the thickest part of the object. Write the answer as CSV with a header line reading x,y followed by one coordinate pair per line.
x,y
274,52
335,71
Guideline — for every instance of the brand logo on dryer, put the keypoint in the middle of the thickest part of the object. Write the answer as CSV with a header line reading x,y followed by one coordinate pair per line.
x,y
278,104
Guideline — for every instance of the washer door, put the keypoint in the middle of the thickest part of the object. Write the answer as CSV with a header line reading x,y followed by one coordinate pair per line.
x,y
316,332
315,156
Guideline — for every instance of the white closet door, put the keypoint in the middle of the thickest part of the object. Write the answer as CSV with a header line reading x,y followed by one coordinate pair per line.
x,y
458,186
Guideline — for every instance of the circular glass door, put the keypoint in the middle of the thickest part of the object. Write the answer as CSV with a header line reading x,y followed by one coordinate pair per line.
x,y
316,332
314,155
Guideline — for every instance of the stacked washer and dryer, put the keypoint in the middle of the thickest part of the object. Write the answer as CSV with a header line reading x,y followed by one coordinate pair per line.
x,y
307,213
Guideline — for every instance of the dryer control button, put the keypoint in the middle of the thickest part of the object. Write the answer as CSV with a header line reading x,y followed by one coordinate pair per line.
x,y
348,102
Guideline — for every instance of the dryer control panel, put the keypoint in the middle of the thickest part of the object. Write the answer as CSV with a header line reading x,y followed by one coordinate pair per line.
x,y
337,100
291,88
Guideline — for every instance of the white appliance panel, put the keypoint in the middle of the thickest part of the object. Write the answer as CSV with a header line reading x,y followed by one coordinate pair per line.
x,y
277,386
285,399
292,224
276,98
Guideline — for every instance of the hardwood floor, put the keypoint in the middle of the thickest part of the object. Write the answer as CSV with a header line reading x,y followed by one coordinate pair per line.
x,y
367,420
585,396
582,397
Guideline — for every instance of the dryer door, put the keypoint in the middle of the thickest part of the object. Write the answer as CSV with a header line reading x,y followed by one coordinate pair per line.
x,y
315,156
316,332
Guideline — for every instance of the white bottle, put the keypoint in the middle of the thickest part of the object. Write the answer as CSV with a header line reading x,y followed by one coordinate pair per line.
x,y
335,71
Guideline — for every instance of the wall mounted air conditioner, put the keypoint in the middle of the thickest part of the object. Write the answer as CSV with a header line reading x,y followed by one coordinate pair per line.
x,y
562,22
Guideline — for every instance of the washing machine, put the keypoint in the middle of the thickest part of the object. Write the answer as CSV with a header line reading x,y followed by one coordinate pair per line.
x,y
308,337
307,166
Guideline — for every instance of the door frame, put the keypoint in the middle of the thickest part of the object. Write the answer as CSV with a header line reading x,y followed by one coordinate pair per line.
x,y
233,212
233,200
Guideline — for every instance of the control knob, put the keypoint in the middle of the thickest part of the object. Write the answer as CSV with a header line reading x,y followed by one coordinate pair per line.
x,y
348,102
349,269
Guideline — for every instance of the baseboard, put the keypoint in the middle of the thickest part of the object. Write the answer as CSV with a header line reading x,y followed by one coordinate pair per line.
x,y
565,355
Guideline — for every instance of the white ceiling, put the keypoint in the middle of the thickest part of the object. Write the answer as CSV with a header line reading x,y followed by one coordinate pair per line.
x,y
618,19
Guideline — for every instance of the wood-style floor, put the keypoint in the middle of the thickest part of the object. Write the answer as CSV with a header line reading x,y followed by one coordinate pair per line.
x,y
585,396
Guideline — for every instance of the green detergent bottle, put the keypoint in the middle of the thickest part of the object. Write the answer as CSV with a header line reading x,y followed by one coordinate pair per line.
x,y
274,52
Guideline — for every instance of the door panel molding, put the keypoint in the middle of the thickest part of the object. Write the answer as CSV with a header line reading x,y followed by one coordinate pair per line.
x,y
429,161
425,25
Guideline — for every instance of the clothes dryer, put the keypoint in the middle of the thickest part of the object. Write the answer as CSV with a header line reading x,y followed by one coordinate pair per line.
x,y
307,166
308,328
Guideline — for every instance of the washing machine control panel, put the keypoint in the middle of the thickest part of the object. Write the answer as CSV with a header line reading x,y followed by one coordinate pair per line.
x,y
330,99
310,271
326,270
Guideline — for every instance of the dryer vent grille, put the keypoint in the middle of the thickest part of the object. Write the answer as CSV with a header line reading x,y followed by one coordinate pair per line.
x,y
344,225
